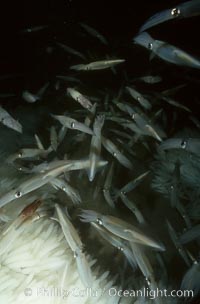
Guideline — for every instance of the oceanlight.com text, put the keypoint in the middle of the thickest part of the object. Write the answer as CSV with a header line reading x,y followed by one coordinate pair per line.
x,y
151,294
55,292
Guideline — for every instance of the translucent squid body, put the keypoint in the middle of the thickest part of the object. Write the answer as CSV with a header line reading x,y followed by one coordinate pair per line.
x,y
187,144
166,51
95,147
53,170
183,10
120,228
74,242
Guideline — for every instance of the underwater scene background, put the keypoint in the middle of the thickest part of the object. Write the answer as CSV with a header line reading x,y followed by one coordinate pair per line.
x,y
99,152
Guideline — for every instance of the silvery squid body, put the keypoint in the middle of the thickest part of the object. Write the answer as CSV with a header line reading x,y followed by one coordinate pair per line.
x,y
167,52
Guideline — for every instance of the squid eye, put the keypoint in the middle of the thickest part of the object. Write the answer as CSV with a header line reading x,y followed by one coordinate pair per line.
x,y
120,248
99,221
75,254
19,155
150,46
148,281
175,12
183,144
72,125
18,194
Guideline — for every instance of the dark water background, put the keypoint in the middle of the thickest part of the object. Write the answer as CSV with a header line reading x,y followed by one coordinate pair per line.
x,y
35,56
